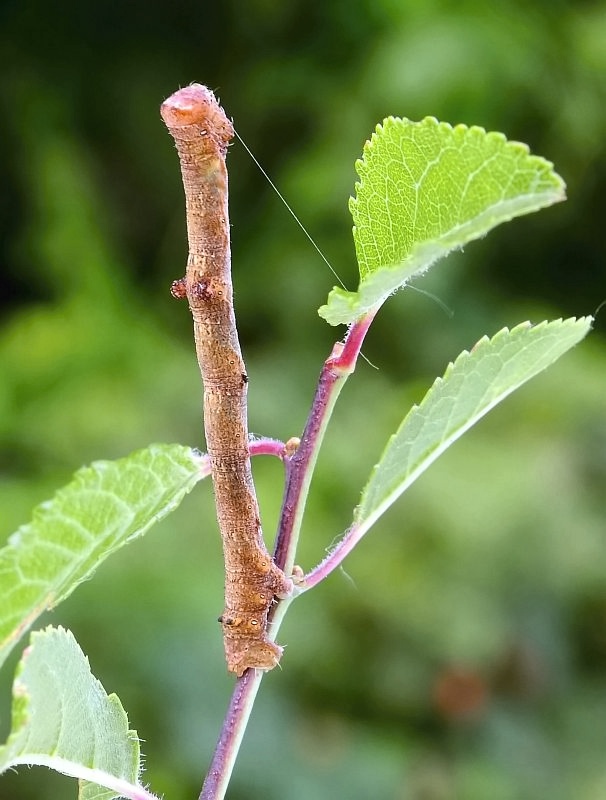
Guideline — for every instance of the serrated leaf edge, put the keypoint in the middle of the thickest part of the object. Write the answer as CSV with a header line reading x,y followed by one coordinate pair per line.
x,y
65,766
363,525
25,535
344,307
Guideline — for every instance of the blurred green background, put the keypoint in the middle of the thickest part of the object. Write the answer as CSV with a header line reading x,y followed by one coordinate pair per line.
x,y
463,652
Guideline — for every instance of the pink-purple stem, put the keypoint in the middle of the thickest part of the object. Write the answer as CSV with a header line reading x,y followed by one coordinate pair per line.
x,y
228,744
256,447
299,468
337,368
335,558
267,447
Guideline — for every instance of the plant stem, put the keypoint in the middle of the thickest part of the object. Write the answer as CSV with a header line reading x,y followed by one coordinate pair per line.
x,y
337,368
268,447
336,556
234,726
202,133
256,447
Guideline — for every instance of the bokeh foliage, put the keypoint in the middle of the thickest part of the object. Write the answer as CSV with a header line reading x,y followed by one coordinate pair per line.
x,y
466,657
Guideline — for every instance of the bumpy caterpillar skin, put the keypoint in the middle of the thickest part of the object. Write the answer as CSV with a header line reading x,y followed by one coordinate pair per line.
x,y
202,134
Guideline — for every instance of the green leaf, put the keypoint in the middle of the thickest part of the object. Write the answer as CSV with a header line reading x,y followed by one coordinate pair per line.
x,y
62,718
105,506
425,189
471,386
